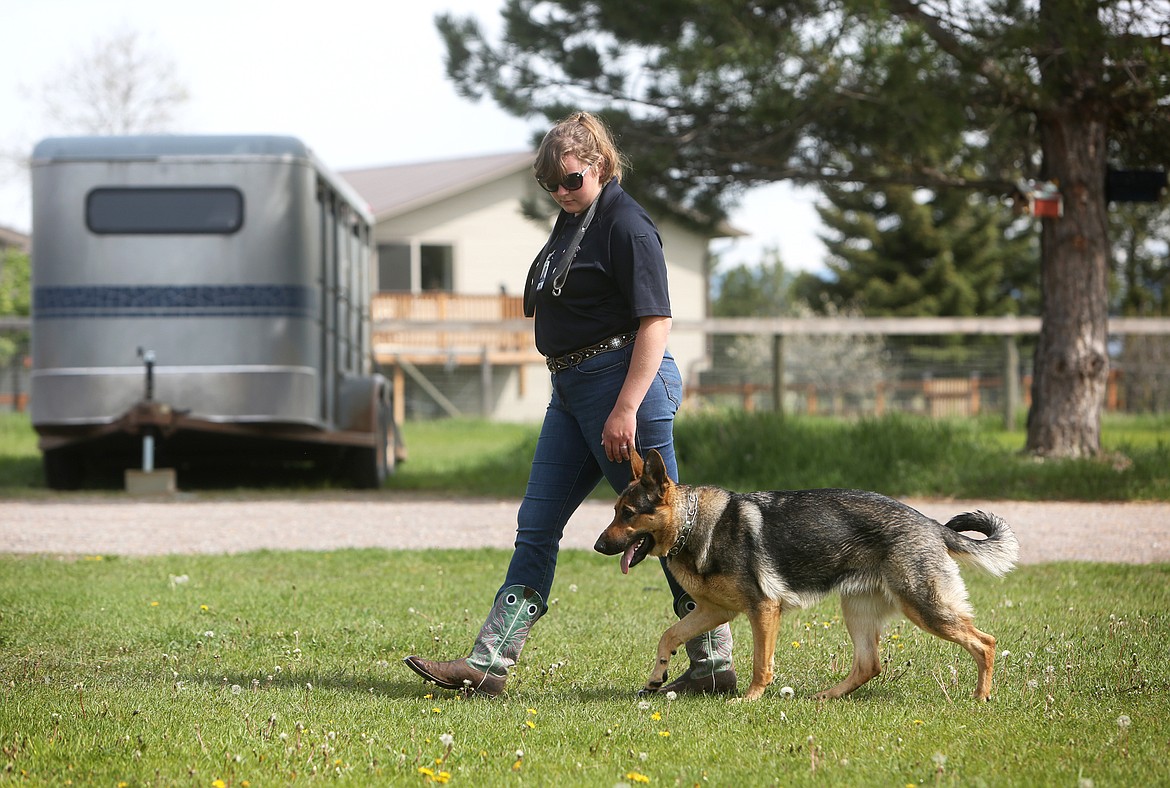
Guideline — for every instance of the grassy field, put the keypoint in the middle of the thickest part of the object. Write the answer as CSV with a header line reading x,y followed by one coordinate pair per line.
x,y
283,668
280,668
899,456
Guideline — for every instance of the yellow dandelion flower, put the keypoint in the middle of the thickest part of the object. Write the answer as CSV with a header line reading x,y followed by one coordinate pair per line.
x,y
532,711
656,716
516,766
218,784
425,772
635,777
204,608
442,777
664,734
530,723
437,710
919,722
796,644
154,604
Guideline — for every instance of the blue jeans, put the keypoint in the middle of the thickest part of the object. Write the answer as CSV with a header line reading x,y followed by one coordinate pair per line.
x,y
570,461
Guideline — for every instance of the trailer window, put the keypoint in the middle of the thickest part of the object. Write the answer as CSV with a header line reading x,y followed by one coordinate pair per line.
x,y
164,210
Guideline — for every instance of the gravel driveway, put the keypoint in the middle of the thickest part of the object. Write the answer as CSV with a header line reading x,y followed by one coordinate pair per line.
x,y
114,525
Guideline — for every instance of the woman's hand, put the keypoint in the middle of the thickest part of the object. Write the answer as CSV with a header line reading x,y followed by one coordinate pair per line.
x,y
619,432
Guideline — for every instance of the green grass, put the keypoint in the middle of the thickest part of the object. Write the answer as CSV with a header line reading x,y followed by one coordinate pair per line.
x,y
277,668
897,455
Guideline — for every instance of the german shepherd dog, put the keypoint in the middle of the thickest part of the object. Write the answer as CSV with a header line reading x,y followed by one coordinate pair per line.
x,y
765,553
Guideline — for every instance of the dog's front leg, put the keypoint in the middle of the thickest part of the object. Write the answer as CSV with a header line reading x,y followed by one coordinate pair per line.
x,y
765,620
702,619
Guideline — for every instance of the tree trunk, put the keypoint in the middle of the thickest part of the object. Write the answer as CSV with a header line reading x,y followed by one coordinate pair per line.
x,y
1072,363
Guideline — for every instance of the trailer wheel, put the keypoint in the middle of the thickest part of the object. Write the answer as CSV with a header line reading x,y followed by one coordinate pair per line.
x,y
368,468
64,469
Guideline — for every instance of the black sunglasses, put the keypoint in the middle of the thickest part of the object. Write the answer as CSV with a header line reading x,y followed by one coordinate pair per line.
x,y
572,182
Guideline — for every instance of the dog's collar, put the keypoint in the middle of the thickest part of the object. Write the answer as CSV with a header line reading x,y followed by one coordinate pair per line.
x,y
688,523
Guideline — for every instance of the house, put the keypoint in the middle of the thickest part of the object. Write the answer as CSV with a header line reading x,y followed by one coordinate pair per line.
x,y
11,239
454,246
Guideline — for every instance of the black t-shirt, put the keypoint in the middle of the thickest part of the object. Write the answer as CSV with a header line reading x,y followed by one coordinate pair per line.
x,y
617,277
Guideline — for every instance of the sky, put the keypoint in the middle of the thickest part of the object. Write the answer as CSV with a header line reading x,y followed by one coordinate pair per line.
x,y
361,83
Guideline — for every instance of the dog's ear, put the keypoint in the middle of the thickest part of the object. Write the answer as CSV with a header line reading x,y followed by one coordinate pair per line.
x,y
654,471
636,465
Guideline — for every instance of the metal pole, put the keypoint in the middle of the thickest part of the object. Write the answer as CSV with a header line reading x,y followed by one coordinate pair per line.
x,y
148,435
778,373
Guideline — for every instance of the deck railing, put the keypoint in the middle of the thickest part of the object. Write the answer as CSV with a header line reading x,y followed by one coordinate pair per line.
x,y
442,328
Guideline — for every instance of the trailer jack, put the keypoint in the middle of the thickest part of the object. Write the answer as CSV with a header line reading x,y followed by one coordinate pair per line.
x,y
149,480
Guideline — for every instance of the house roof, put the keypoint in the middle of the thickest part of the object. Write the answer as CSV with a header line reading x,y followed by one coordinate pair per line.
x,y
395,189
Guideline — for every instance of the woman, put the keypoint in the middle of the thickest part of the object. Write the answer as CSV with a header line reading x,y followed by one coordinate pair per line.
x,y
598,291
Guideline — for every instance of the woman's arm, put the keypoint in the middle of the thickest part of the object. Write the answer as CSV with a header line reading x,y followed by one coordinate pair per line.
x,y
621,427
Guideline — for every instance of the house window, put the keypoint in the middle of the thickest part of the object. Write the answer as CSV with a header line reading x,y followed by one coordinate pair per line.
x,y
394,267
436,269
407,268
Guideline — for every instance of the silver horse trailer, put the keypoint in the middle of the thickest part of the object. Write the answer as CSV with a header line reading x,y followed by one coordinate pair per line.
x,y
205,298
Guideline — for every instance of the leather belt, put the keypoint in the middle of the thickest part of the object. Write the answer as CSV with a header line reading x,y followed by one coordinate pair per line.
x,y
577,356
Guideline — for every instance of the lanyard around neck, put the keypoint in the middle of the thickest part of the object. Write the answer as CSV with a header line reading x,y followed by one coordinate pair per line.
x,y
561,270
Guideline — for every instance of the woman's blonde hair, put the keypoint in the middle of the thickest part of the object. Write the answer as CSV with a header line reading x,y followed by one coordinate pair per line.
x,y
582,135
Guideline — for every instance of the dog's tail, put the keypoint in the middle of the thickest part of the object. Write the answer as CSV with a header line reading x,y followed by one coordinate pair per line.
x,y
997,553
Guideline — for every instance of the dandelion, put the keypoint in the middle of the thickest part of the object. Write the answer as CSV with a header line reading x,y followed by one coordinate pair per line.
x,y
672,695
209,633
664,734
529,724
644,705
787,693
796,644
218,784
636,777
154,604
204,608
1123,721
656,716
236,689
447,740
919,722
532,711
436,710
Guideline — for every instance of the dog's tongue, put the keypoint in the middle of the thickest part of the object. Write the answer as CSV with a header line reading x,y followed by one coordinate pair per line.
x,y
626,556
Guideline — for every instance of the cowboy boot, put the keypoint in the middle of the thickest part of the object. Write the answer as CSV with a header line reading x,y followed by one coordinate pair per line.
x,y
711,671
496,648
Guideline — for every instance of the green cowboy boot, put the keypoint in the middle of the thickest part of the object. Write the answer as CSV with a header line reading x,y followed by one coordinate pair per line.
x,y
496,648
711,671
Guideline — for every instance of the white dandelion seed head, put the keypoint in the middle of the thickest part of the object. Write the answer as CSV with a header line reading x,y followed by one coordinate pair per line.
x,y
787,692
1123,721
672,695
644,705
447,740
